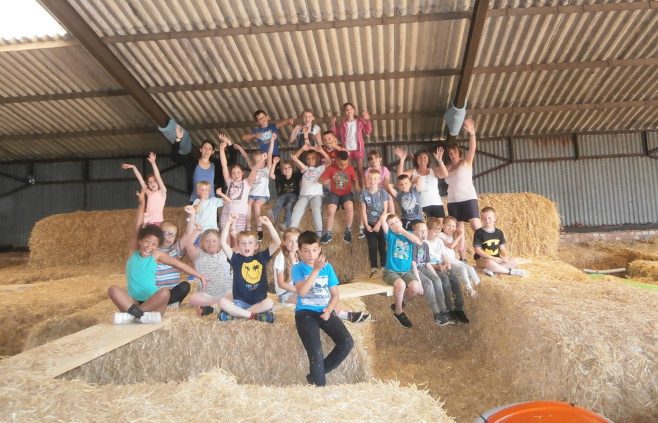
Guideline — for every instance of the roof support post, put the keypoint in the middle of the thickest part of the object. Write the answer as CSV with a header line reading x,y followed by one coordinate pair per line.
x,y
73,22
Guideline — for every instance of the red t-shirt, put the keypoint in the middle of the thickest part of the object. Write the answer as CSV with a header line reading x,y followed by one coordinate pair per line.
x,y
332,153
341,180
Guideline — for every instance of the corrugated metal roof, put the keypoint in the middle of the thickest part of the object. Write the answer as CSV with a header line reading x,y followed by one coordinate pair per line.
x,y
210,64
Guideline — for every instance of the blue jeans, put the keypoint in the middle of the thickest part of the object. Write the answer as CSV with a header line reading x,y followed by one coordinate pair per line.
x,y
286,201
308,325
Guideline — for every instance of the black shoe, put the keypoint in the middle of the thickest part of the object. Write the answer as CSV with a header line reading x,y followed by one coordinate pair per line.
x,y
393,306
443,319
357,316
403,319
207,310
460,315
347,236
326,238
308,379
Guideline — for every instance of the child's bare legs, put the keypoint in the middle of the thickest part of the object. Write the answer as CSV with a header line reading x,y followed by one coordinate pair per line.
x,y
349,214
250,204
120,298
462,249
399,288
358,165
495,267
257,205
226,303
475,223
329,222
201,299
123,301
157,301
413,289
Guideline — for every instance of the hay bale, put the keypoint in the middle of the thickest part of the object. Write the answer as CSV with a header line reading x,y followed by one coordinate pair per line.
x,y
254,352
644,270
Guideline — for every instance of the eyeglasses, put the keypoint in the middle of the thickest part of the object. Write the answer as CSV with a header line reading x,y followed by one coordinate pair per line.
x,y
169,234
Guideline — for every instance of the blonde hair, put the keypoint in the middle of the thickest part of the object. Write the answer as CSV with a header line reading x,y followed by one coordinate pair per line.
x,y
449,219
287,268
202,184
246,234
433,223
205,235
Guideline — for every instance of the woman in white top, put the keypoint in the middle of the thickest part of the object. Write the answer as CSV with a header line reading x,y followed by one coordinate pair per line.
x,y
462,198
430,198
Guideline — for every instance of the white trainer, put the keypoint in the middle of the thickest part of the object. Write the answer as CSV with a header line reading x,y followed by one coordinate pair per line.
x,y
518,272
487,272
151,317
123,318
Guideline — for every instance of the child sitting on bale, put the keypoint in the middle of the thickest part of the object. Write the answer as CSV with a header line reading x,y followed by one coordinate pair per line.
x,y
249,298
316,284
143,300
490,250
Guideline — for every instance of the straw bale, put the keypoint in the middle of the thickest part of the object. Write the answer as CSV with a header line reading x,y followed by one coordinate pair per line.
x,y
601,255
255,352
556,335
644,270
211,396
21,310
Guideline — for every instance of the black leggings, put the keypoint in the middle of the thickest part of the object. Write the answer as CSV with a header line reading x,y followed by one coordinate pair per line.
x,y
179,292
308,325
376,242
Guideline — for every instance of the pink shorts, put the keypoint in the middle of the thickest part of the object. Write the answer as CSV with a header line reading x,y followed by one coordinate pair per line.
x,y
356,154
239,225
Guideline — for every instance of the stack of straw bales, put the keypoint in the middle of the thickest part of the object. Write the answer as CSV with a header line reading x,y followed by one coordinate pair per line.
x,y
644,270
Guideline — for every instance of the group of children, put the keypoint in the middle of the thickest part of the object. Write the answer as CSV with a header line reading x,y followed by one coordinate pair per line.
x,y
417,256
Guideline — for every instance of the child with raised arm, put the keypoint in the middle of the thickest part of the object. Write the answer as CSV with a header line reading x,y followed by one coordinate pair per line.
x,y
155,190
490,249
374,203
408,196
236,199
167,276
264,131
205,206
260,164
209,259
286,181
340,177
307,132
454,243
249,298
143,300
316,284
352,131
310,187
398,270
330,145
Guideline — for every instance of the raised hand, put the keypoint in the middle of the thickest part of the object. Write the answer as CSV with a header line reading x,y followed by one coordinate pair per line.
x,y
127,166
469,126
332,121
189,209
151,158
264,220
179,132
319,262
275,160
400,153
366,115
223,138
438,154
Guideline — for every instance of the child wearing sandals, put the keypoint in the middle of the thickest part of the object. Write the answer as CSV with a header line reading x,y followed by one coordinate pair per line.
x,y
283,286
143,300
464,271
209,259
155,190
249,295
490,249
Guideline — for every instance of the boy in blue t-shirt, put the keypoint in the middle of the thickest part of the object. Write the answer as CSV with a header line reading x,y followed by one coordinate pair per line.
x,y
399,258
249,297
317,296
264,131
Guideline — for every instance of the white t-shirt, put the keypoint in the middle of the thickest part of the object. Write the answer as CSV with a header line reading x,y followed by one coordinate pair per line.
x,y
309,184
437,250
279,268
429,193
261,186
350,137
206,217
450,252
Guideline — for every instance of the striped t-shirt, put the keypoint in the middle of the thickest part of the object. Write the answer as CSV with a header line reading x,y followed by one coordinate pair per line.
x,y
165,275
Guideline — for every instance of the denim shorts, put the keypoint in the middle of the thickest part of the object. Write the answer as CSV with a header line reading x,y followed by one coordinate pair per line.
x,y
259,197
241,304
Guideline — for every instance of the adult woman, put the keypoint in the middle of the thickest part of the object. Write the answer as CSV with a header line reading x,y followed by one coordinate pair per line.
x,y
206,167
462,198
430,199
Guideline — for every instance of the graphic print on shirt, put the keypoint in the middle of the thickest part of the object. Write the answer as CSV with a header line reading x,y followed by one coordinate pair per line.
x,y
235,190
401,250
341,180
265,136
252,272
408,202
491,247
319,294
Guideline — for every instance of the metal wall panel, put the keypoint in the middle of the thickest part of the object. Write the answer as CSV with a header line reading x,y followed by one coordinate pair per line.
x,y
58,171
543,147
610,144
652,140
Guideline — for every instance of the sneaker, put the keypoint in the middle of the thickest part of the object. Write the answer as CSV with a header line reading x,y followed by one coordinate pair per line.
x,y
472,293
260,235
151,317
326,238
207,310
347,236
518,272
443,319
460,315
373,272
357,316
403,319
224,316
487,272
266,316
393,306
362,232
123,318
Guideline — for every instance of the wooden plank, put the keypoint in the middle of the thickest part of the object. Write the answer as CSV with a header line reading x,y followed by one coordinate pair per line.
x,y
67,353
361,289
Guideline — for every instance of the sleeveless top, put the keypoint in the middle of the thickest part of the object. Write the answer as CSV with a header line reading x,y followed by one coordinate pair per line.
x,y
216,268
429,193
155,206
201,174
140,272
460,184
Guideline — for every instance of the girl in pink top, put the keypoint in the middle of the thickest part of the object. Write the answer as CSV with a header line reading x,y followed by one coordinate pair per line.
x,y
352,131
155,190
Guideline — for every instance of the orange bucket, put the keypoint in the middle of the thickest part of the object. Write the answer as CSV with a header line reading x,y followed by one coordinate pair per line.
x,y
540,412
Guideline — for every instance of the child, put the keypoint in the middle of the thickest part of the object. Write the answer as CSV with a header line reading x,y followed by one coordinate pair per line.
x,y
408,197
249,297
310,188
398,272
490,250
330,145
307,132
236,198
375,162
283,286
264,131
155,189
441,285
466,273
286,180
316,284
143,300
259,195
209,259
167,276
352,132
340,177
205,206
374,203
